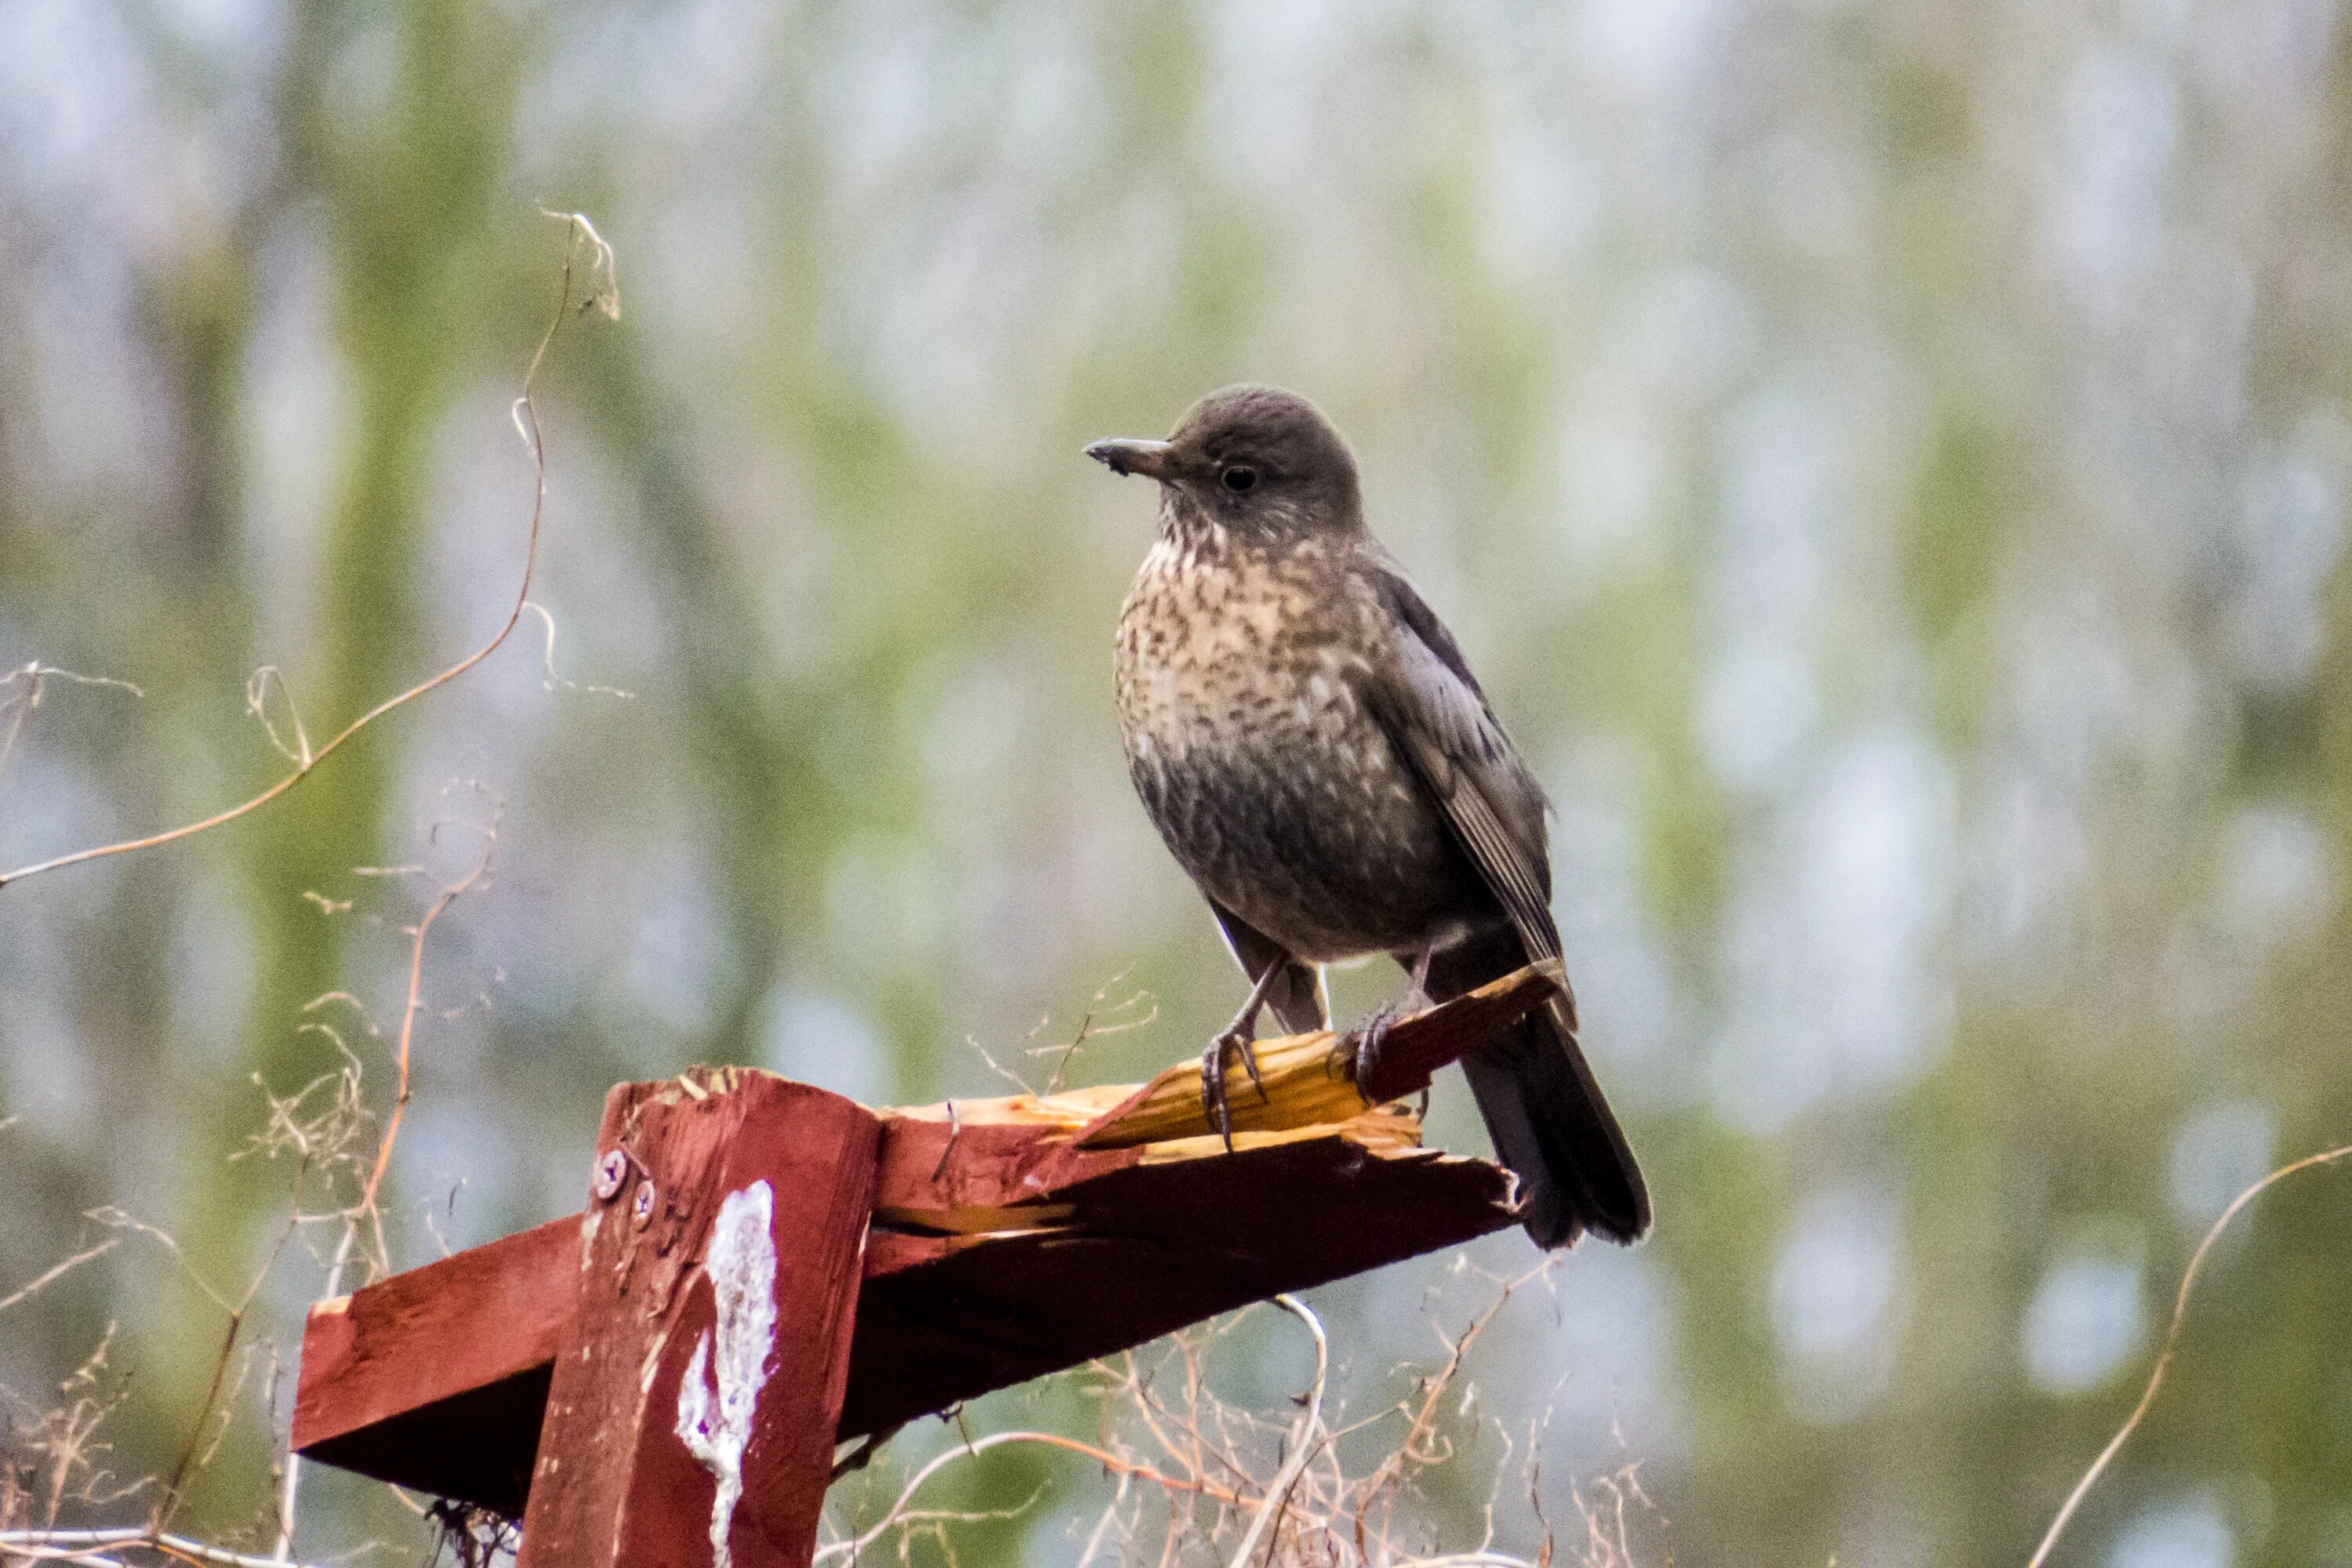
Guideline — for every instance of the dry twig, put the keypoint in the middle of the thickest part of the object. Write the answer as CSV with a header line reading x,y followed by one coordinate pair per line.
x,y
1235,1486
2171,1343
56,1460
601,295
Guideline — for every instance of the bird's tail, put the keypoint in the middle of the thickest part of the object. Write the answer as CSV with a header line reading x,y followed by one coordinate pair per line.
x,y
1551,1124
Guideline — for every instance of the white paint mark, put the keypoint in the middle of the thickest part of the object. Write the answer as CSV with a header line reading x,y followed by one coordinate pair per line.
x,y
716,1425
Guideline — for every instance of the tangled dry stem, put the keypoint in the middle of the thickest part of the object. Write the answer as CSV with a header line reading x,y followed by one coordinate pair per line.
x,y
56,1462
1195,1478
602,294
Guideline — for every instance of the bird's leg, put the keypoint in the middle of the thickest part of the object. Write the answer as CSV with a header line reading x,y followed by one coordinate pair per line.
x,y
1374,1030
1237,1035
1420,990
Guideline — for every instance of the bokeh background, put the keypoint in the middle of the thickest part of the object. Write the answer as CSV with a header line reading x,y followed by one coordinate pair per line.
x,y
1886,461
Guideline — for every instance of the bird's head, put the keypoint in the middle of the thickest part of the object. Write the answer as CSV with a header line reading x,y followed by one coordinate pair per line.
x,y
1255,459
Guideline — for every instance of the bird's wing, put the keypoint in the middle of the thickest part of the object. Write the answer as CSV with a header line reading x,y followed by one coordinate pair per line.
x,y
1435,715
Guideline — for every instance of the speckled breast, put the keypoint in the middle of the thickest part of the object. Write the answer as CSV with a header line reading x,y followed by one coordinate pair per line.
x,y
1255,755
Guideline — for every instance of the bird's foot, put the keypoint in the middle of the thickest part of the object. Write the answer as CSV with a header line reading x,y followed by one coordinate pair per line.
x,y
1213,1078
1368,1037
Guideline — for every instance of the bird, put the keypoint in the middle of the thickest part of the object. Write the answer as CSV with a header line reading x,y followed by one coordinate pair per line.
x,y
1306,736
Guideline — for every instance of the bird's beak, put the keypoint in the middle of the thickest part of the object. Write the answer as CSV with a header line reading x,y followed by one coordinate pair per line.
x,y
1149,458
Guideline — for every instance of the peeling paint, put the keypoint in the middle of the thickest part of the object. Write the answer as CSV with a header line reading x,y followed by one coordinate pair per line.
x,y
715,1422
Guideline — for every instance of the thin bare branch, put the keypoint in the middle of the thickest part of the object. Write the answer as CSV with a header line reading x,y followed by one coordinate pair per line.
x,y
2171,1342
89,1545
57,1271
603,296
1304,1442
23,684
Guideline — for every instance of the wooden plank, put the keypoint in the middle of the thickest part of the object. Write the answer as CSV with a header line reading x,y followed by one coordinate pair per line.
x,y
691,1414
437,1377
1309,1079
1141,1248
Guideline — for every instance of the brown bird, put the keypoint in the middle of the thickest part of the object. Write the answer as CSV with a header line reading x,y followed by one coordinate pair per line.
x,y
1306,737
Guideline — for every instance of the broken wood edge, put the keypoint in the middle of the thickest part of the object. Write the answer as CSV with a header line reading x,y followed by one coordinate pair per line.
x,y
1160,1245
1308,1080
909,1232
1388,1132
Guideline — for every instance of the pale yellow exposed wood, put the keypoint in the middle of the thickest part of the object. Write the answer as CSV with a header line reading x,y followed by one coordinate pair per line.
x,y
1307,1077
1308,1086
1072,1108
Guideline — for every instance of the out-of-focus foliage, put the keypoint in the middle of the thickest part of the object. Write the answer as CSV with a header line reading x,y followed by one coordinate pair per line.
x,y
1887,463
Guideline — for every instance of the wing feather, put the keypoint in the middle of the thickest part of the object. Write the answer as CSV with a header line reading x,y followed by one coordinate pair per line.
x,y
1435,715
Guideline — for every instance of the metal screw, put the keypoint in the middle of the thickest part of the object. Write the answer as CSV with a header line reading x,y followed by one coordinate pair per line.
x,y
609,1172
644,1207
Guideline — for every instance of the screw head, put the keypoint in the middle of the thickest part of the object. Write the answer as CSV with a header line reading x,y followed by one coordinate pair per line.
x,y
610,1169
643,1207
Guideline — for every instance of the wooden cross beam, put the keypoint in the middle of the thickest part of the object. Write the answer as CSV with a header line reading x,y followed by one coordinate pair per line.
x,y
764,1269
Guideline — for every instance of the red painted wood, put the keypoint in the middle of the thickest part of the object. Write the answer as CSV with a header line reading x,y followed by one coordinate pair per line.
x,y
930,1165
1146,1248
435,1378
762,1160
1142,1249
1000,1251
1416,1048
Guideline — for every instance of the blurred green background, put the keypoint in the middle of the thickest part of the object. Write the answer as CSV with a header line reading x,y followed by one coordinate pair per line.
x,y
1887,463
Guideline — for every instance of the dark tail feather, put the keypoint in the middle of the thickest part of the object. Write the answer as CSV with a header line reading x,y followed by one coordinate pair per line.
x,y
1297,999
1548,1118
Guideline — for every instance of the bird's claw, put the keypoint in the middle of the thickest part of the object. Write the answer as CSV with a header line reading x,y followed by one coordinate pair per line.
x,y
1368,1037
1212,1079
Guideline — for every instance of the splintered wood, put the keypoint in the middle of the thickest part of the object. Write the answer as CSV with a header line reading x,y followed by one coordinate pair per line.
x,y
1309,1080
1005,1238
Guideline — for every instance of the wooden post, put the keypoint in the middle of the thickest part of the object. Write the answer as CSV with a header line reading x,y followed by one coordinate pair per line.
x,y
691,1414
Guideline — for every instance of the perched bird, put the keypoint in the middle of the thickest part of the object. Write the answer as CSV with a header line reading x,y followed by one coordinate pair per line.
x,y
1306,737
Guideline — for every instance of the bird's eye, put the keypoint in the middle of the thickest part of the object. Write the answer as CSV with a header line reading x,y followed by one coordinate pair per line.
x,y
1238,478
